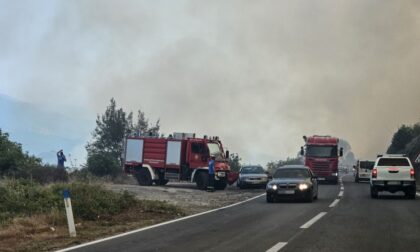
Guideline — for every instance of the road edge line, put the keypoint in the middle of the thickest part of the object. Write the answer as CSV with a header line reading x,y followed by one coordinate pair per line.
x,y
157,225
277,247
313,220
334,203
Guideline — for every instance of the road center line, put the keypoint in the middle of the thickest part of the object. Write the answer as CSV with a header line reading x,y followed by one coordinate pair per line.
x,y
156,225
335,202
341,194
313,220
277,247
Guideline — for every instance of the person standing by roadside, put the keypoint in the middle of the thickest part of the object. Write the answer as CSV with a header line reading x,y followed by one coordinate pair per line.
x,y
210,187
61,159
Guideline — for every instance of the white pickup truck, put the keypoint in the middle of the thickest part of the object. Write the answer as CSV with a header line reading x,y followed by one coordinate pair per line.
x,y
393,173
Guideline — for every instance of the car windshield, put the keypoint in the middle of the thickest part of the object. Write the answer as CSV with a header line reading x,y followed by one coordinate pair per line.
x,y
215,150
252,170
367,165
393,162
321,151
291,173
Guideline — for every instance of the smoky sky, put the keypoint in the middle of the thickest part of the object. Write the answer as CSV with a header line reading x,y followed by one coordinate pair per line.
x,y
259,74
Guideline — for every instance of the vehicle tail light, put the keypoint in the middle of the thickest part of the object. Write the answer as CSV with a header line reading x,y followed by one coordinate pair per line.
x,y
411,173
374,173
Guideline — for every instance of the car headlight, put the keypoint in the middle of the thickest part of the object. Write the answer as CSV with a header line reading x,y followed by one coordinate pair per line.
x,y
335,174
270,186
303,187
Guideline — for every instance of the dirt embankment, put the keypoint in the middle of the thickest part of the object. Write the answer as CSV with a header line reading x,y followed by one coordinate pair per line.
x,y
187,196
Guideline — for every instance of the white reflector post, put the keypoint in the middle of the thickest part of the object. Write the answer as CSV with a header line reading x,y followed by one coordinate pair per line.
x,y
69,213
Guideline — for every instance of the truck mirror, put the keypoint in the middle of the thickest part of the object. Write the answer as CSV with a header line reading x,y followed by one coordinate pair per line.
x,y
227,154
301,151
341,151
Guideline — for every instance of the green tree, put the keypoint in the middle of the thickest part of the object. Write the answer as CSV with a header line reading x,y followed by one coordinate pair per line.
x,y
144,128
406,141
235,162
104,152
413,148
401,138
108,137
103,164
13,159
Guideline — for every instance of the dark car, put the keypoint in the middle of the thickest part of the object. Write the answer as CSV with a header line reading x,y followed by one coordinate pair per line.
x,y
252,176
293,182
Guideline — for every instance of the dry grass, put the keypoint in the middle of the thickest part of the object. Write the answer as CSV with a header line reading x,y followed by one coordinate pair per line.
x,y
49,232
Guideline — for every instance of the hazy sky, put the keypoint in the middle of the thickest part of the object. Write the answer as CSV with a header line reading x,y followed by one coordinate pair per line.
x,y
260,74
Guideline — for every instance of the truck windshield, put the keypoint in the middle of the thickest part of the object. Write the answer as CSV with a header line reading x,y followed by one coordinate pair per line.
x,y
321,151
215,150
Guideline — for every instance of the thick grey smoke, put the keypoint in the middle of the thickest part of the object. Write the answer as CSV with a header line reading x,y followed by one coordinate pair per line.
x,y
260,74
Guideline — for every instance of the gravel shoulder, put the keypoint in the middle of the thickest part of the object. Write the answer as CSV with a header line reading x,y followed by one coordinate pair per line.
x,y
187,196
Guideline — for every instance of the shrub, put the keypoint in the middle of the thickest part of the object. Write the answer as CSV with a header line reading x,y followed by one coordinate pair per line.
x,y
24,198
103,164
43,174
91,202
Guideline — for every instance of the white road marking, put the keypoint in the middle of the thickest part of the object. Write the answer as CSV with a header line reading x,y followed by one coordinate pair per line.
x,y
313,220
157,225
277,247
341,194
342,188
335,202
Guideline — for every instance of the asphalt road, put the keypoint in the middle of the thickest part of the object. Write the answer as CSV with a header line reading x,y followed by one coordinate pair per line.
x,y
344,218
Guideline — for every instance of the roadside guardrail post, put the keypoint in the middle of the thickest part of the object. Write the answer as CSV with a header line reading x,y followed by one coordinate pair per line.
x,y
69,213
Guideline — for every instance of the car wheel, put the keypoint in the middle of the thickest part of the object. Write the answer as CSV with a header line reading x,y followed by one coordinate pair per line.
x,y
316,196
373,192
269,198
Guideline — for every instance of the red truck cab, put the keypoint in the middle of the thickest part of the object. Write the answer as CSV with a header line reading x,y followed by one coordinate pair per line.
x,y
321,156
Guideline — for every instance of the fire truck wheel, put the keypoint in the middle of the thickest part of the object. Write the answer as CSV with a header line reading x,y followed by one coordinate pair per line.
x,y
202,180
143,177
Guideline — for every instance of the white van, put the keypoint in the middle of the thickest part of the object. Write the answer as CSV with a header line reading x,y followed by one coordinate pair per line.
x,y
363,170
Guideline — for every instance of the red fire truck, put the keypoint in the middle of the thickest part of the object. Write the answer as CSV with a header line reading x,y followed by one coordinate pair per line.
x,y
180,156
321,156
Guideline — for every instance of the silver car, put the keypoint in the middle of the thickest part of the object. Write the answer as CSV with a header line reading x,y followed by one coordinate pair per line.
x,y
252,176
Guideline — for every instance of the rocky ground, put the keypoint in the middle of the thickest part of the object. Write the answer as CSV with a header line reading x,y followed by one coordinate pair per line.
x,y
187,196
